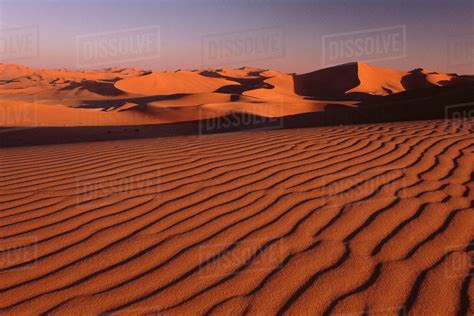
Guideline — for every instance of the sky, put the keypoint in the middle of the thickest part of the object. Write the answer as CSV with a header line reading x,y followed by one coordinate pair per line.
x,y
288,35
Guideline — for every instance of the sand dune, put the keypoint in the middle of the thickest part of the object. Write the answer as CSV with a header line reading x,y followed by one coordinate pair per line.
x,y
373,219
171,83
131,96
367,79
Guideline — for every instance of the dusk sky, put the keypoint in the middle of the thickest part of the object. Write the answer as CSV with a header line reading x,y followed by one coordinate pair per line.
x,y
296,27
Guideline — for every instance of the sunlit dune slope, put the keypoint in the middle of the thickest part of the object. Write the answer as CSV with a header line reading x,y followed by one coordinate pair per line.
x,y
131,96
171,83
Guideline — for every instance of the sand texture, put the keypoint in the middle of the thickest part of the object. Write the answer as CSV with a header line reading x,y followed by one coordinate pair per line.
x,y
349,220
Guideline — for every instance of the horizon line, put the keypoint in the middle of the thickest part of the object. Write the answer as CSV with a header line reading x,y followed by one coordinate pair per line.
x,y
211,68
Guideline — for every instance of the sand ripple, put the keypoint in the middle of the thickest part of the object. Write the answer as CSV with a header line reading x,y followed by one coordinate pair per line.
x,y
357,219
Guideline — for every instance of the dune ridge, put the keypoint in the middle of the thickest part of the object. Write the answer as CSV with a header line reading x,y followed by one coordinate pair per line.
x,y
356,219
132,96
356,78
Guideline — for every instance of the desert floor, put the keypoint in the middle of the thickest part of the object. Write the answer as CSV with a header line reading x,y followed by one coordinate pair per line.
x,y
374,219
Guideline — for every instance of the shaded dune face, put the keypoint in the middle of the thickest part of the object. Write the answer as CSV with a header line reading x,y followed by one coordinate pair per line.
x,y
355,80
417,79
101,88
329,82
366,219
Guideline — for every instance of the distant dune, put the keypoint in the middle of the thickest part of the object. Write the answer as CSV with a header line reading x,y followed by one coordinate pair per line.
x,y
366,79
120,97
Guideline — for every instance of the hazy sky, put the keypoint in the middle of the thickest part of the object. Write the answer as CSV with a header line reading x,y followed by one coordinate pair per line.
x,y
288,35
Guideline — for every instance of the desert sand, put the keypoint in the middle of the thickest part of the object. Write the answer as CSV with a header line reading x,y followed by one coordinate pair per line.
x,y
164,213
344,220
120,96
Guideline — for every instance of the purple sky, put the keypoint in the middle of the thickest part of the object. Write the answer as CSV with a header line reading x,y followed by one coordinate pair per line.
x,y
288,35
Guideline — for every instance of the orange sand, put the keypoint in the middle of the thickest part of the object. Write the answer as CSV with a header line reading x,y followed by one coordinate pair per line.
x,y
116,96
375,219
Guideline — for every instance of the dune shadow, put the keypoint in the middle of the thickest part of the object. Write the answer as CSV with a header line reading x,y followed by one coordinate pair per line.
x,y
329,83
140,101
428,104
240,89
416,79
102,88
242,84
336,107
233,122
